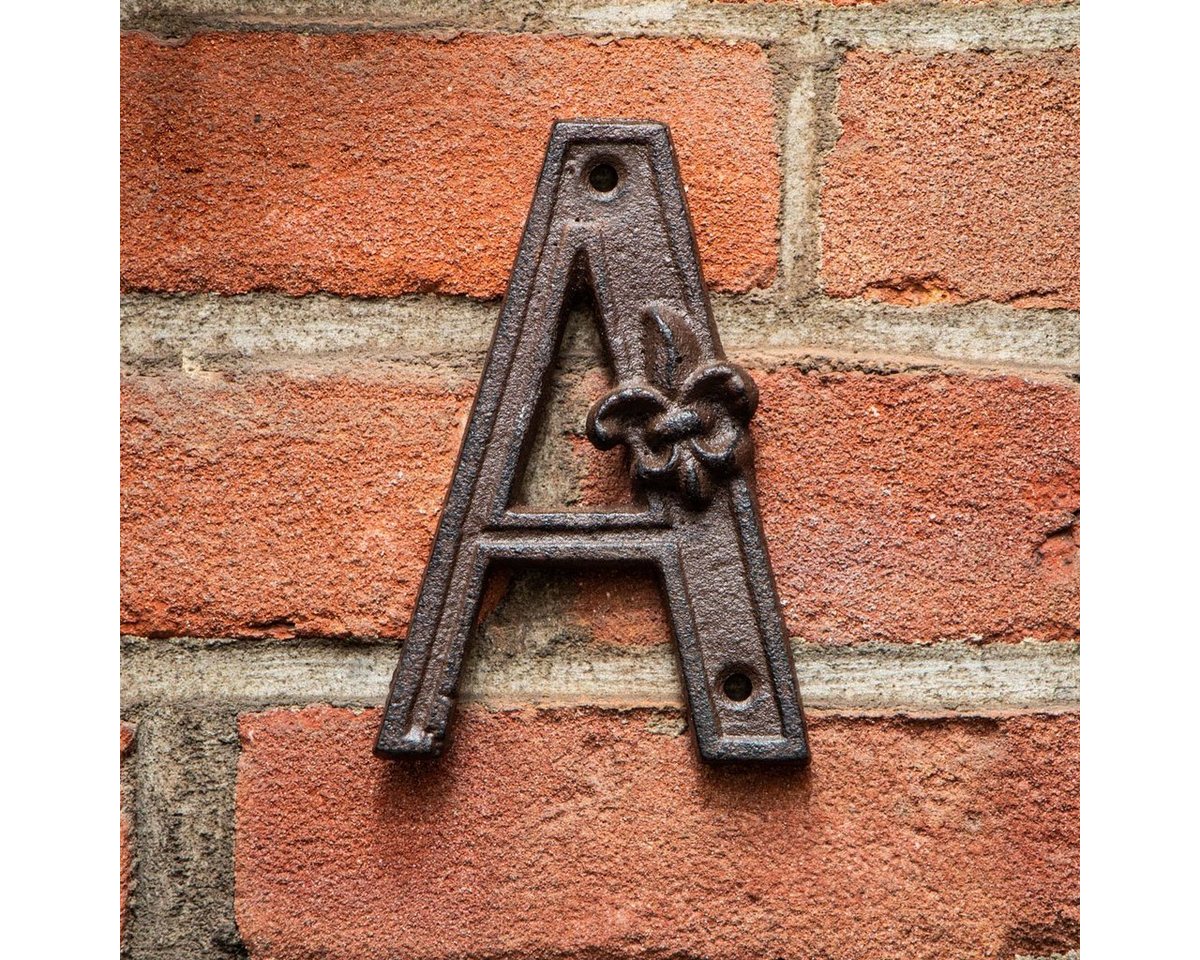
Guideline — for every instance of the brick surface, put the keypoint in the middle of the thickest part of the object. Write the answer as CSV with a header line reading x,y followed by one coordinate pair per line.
x,y
280,505
592,834
917,508
897,508
621,608
128,731
392,163
956,178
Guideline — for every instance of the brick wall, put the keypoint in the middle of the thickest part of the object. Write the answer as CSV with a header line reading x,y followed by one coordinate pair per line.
x,y
320,204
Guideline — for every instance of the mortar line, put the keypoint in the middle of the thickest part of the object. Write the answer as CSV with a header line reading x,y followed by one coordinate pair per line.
x,y
945,678
800,228
893,27
182,905
796,63
181,330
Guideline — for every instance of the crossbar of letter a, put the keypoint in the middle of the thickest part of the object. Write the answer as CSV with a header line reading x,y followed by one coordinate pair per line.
x,y
609,207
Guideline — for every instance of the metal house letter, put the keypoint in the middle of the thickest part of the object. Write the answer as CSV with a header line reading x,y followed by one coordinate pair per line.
x,y
609,208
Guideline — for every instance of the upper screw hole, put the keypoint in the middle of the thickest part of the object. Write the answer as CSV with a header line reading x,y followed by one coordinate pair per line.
x,y
603,177
737,687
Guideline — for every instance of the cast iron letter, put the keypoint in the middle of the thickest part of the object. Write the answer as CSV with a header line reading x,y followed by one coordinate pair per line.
x,y
609,208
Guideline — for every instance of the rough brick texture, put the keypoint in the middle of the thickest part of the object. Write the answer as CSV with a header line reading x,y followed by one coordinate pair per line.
x,y
280,505
897,508
919,508
390,163
593,834
621,608
956,178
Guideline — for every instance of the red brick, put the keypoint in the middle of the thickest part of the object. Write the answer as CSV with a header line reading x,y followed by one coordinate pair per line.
x,y
280,505
586,833
900,508
128,730
391,163
956,178
622,608
897,508
915,508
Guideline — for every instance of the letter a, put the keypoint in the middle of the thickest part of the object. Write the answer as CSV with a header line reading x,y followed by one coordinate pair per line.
x,y
609,210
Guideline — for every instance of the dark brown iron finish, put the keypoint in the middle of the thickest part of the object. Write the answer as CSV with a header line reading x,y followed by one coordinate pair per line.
x,y
609,212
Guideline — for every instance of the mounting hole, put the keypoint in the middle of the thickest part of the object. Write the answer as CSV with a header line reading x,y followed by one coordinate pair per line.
x,y
738,687
603,177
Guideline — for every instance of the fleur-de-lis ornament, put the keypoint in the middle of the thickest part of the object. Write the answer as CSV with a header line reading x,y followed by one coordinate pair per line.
x,y
691,434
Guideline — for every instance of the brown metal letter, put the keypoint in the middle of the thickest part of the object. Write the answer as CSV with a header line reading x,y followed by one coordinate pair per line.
x,y
609,209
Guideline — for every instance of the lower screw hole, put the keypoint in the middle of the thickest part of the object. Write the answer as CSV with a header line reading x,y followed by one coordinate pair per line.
x,y
737,687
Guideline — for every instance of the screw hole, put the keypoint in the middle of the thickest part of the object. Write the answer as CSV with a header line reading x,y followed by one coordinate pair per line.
x,y
603,177
737,687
